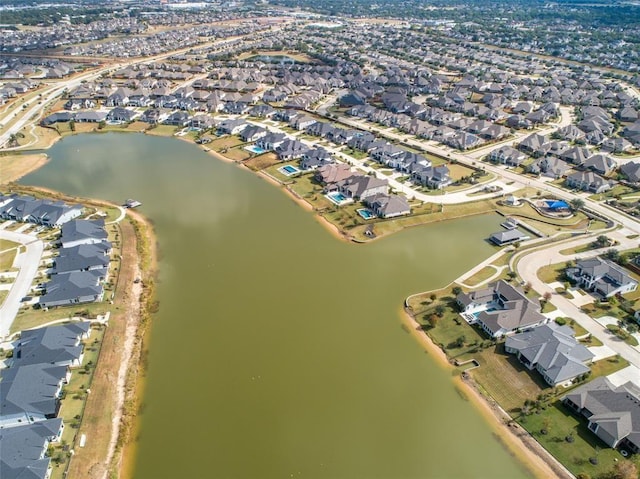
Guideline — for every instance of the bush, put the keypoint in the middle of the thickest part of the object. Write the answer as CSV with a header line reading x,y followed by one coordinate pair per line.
x,y
561,321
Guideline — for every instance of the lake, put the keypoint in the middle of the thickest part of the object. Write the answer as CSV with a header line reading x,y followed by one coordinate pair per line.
x,y
278,350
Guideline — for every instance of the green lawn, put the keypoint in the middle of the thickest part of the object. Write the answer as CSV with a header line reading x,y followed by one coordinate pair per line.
x,y
560,422
72,406
6,259
482,275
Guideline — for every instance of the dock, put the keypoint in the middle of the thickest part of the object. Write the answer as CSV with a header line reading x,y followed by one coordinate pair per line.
x,y
131,203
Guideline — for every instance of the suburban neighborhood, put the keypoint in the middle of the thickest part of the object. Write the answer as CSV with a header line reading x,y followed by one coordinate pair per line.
x,y
376,127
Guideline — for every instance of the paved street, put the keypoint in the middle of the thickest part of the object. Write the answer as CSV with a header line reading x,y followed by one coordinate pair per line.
x,y
28,261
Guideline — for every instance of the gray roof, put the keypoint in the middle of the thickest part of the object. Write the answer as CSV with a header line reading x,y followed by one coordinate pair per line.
x,y
518,311
31,389
22,449
82,257
83,229
615,410
71,287
609,275
554,349
502,237
50,345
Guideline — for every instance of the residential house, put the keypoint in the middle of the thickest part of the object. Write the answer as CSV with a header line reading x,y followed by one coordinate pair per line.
x,y
535,145
79,232
178,118
232,126
588,181
631,171
121,114
553,351
331,175
388,206
83,257
315,158
271,141
24,450
601,277
434,177
253,133
613,412
602,164
507,156
549,166
362,187
42,212
60,345
291,149
73,288
31,393
500,309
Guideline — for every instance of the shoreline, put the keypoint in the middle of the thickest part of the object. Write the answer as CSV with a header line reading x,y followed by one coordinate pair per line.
x,y
130,374
524,448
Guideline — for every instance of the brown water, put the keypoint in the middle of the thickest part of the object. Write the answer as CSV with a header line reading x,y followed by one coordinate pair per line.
x,y
278,351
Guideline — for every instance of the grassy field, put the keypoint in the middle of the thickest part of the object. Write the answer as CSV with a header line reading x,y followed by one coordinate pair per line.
x,y
482,275
75,395
6,258
560,423
238,154
14,167
261,162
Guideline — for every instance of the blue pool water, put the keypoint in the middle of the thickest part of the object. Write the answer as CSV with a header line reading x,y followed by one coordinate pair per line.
x,y
255,149
337,197
488,310
556,205
288,170
366,214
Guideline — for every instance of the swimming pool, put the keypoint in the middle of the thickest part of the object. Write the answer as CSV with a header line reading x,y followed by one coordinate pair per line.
x,y
556,204
366,214
288,170
255,149
338,198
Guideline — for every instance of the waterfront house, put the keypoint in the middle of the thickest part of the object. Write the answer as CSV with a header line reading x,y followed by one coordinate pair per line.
x,y
83,257
500,309
42,212
31,393
232,126
332,174
602,277
291,149
388,206
502,238
613,412
24,450
253,133
362,187
73,288
553,351
271,141
121,114
79,232
60,345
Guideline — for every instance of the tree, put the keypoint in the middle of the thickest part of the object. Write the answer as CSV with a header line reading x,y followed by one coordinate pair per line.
x,y
602,241
433,320
440,310
456,290
576,204
433,297
546,296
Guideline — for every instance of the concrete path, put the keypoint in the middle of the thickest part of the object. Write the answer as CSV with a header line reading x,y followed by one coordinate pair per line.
x,y
28,261
528,266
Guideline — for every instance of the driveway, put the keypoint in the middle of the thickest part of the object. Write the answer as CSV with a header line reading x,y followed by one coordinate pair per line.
x,y
529,265
28,261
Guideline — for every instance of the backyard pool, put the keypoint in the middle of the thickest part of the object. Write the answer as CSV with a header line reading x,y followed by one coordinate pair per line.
x,y
366,213
288,170
338,198
255,149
